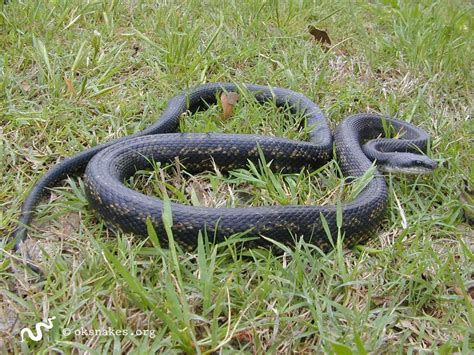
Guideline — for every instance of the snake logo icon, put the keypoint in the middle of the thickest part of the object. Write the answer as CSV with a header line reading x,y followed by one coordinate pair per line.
x,y
38,326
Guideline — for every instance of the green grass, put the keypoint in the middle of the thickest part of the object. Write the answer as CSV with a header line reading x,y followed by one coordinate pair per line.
x,y
74,73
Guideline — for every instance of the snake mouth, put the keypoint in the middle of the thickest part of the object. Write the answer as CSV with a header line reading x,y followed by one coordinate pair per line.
x,y
411,170
407,163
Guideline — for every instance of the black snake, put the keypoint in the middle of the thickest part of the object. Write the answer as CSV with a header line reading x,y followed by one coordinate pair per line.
x,y
357,144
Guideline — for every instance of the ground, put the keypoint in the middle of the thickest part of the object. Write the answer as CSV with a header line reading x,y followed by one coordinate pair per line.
x,y
75,73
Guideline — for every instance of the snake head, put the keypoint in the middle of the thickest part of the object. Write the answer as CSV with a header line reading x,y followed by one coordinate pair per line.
x,y
408,163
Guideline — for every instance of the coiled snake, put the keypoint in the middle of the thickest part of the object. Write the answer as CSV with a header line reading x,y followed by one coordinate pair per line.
x,y
107,166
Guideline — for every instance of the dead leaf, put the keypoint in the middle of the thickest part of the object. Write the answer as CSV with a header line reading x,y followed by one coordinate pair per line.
x,y
321,36
228,99
381,300
69,86
244,336
470,292
457,290
25,86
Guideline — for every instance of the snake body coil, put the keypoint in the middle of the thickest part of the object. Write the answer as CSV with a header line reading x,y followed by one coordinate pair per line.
x,y
111,163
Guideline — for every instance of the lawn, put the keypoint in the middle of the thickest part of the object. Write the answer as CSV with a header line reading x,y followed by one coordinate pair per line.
x,y
77,73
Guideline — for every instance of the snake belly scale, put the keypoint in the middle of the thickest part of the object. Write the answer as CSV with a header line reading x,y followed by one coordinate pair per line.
x,y
108,165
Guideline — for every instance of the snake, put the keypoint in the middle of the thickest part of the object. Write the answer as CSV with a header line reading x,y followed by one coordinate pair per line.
x,y
359,141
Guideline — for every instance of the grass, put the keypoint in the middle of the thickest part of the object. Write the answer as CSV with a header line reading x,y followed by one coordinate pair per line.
x,y
73,74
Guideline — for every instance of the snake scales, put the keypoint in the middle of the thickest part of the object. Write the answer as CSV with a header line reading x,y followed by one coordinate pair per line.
x,y
357,144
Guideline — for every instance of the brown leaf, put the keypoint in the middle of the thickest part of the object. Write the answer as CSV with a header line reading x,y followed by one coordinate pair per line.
x,y
470,292
457,291
228,99
69,86
244,336
25,85
320,35
381,300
